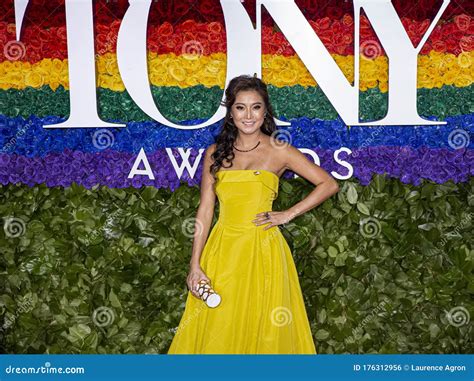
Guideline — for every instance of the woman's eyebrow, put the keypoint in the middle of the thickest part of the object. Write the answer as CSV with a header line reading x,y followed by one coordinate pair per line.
x,y
240,103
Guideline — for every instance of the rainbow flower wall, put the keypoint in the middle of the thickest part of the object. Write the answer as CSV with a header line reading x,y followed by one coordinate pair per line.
x,y
187,61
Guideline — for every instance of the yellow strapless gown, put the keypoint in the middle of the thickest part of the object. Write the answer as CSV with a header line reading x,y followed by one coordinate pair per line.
x,y
262,309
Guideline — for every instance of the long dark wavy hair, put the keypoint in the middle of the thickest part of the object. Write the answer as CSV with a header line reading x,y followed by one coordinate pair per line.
x,y
229,131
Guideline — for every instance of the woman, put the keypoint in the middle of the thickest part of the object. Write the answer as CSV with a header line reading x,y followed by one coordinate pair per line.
x,y
246,259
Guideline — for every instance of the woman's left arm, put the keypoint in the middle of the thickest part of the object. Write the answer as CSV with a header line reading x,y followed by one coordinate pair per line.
x,y
326,186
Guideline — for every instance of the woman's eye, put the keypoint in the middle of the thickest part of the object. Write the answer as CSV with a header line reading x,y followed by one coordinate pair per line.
x,y
239,107
257,107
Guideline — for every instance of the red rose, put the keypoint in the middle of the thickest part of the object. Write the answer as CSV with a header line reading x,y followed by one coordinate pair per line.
x,y
458,35
208,7
201,36
181,8
448,29
115,25
439,46
334,13
467,43
188,25
347,38
423,26
100,43
336,27
411,28
214,47
61,33
188,36
323,23
101,29
215,27
338,49
213,37
33,56
44,35
222,46
161,41
470,30
347,20
153,46
462,22
365,28
165,29
35,43
338,39
326,38
451,44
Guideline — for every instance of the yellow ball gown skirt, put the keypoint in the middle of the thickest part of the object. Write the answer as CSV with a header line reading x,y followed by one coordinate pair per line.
x,y
262,309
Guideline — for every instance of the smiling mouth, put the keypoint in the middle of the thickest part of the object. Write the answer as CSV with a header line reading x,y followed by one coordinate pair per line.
x,y
248,123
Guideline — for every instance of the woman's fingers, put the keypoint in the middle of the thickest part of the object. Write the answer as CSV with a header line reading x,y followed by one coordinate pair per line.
x,y
193,282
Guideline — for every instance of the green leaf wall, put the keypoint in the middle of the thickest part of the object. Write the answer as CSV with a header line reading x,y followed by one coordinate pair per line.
x,y
384,268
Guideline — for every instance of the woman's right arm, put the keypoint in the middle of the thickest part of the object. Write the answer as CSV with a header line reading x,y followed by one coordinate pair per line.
x,y
204,216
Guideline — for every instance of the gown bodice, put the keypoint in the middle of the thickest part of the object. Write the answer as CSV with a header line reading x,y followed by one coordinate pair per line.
x,y
242,193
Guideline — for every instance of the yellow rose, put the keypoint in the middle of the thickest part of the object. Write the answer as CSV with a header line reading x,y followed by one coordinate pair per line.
x,y
449,77
100,66
277,62
54,81
220,79
111,67
15,80
206,80
463,80
190,81
214,67
289,77
57,65
33,79
177,73
464,60
117,85
383,86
